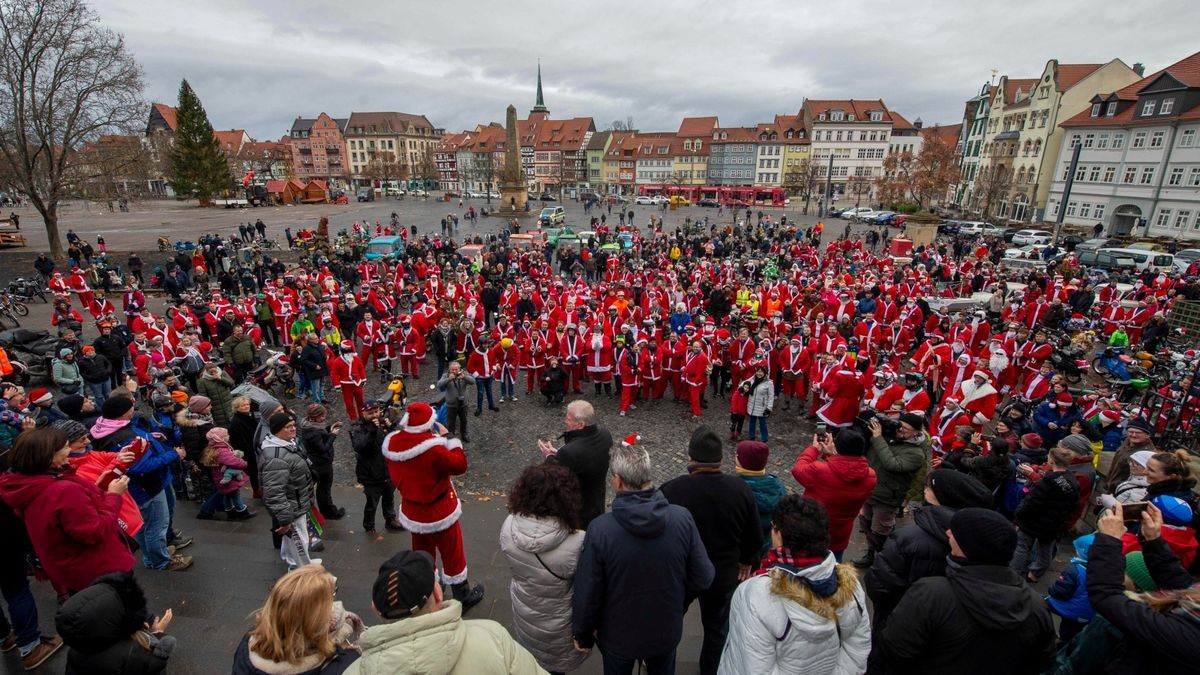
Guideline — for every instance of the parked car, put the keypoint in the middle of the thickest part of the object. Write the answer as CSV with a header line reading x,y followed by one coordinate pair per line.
x,y
679,200
708,203
864,214
366,195
547,197
1028,237
948,227
1028,252
472,194
881,217
386,248
643,200
1157,261
850,213
552,215
492,195
1095,244
898,220
659,200
1070,241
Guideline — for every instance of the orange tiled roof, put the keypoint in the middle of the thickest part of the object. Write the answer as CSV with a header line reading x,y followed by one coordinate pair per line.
x,y
1012,85
1069,74
168,113
948,133
697,126
1186,71
861,109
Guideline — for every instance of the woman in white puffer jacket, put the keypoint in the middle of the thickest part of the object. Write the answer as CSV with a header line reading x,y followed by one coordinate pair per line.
x,y
541,540
802,613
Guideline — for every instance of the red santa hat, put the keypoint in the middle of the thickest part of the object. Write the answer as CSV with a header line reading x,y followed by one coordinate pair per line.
x,y
1065,399
346,344
40,395
1110,416
418,418
630,440
982,373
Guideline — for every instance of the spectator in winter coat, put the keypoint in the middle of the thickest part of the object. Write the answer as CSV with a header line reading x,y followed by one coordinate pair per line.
x,y
586,454
1115,467
96,372
834,471
750,462
759,401
919,550
217,386
109,631
241,437
979,618
65,372
640,565
1160,630
726,516
370,468
1067,596
72,523
287,488
1052,419
1133,489
1042,514
318,438
801,612
541,539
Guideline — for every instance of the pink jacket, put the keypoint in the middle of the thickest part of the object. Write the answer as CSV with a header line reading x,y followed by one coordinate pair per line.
x,y
226,458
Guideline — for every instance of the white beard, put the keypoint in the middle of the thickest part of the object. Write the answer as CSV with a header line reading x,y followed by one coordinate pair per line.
x,y
968,388
998,362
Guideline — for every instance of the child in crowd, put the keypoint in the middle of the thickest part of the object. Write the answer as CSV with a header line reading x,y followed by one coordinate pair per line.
x,y
228,471
1068,596
739,402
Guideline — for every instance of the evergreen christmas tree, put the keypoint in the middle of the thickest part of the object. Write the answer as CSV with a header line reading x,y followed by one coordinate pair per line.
x,y
198,167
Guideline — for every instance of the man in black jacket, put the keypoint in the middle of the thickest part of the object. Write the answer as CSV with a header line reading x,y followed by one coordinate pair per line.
x,y
979,618
585,453
370,468
314,366
638,566
444,341
919,550
113,349
726,516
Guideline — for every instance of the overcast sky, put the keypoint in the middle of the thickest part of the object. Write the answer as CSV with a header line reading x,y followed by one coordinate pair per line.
x,y
259,65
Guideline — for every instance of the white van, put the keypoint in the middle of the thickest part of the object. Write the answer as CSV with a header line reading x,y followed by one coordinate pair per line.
x,y
1143,259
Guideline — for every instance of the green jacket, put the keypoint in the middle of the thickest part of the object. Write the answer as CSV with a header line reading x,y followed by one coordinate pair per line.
x,y
238,351
896,465
66,375
219,391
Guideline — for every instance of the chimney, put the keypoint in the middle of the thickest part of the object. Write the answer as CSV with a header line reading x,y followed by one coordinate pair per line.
x,y
1139,69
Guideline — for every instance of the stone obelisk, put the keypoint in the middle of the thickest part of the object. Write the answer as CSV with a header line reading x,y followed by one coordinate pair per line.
x,y
513,191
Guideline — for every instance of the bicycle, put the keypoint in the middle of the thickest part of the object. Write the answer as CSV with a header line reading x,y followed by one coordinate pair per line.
x,y
11,309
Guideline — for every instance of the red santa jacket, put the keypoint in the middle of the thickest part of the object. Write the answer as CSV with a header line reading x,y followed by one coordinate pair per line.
x,y
343,372
420,465
844,388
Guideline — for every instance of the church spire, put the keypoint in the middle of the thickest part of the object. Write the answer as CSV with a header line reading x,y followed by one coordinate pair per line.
x,y
540,106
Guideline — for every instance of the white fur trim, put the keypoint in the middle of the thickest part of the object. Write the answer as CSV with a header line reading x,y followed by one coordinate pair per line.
x,y
419,448
428,528
450,580
416,430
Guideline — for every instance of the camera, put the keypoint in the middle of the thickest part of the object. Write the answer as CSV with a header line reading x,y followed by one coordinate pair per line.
x,y
888,424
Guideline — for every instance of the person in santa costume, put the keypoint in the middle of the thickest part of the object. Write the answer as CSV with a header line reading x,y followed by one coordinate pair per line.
x,y
845,390
421,461
979,398
349,373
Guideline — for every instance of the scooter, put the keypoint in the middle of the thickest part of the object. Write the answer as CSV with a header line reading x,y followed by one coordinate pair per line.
x,y
1068,362
1111,362
277,371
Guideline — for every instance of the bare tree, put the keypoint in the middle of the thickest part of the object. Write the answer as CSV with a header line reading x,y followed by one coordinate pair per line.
x,y
483,171
802,180
426,167
991,184
919,178
622,125
858,186
111,168
66,81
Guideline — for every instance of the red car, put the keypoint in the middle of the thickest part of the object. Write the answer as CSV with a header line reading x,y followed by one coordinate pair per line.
x,y
737,203
898,220
341,200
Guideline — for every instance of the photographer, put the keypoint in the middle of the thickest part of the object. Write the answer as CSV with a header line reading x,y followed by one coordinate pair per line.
x,y
896,463
370,468
317,438
454,386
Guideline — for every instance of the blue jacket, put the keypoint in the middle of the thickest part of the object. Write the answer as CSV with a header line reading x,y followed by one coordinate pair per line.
x,y
679,321
1111,436
640,564
1068,594
152,473
865,305
768,490
1044,414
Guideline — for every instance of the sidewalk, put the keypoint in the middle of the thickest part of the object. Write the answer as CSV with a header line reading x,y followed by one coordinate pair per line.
x,y
235,566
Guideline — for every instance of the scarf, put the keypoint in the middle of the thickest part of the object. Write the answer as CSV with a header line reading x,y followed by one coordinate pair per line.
x,y
104,427
784,560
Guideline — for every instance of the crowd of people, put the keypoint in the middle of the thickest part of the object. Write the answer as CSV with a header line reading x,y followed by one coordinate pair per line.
x,y
956,420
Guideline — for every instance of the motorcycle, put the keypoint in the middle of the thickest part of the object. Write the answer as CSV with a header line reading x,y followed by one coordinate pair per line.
x,y
1112,362
26,290
275,372
1070,363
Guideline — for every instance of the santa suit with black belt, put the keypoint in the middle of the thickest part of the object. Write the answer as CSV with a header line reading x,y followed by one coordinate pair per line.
x,y
420,463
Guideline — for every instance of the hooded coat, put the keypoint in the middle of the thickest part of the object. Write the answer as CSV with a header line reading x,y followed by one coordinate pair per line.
x,y
912,553
441,643
98,623
72,525
542,555
896,465
219,390
841,483
287,486
651,550
978,619
773,633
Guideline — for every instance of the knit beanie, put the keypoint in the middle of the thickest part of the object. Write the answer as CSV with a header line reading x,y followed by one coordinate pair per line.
x,y
1135,569
752,455
71,428
985,537
116,406
71,405
913,420
217,435
705,446
278,421
958,490
315,411
1140,424
198,404
403,584
1077,443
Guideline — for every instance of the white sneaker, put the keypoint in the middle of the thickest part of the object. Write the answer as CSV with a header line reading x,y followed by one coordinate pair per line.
x,y
513,399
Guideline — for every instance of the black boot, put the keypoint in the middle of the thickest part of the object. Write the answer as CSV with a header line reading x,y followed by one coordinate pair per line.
x,y
867,559
466,594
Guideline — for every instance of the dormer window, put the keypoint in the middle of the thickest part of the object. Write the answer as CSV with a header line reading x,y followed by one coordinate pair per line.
x,y
837,115
1148,108
724,135
789,134
1095,110
1112,109
1167,106
851,117
696,146
716,136
876,116
821,117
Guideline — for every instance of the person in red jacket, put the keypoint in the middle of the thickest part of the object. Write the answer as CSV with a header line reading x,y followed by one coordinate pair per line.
x,y
834,471
845,389
72,524
695,375
629,368
420,462
348,372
